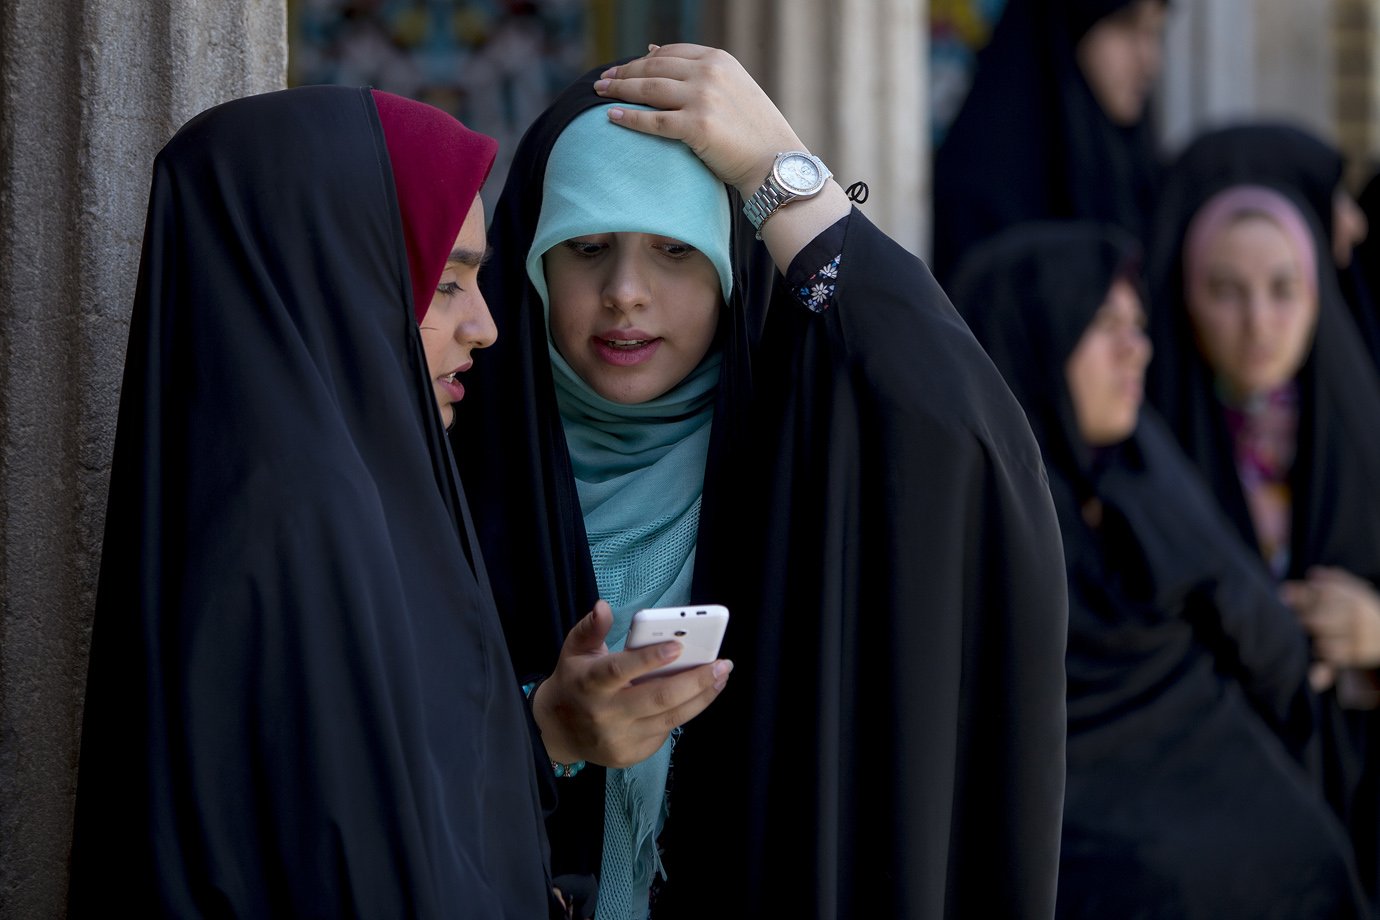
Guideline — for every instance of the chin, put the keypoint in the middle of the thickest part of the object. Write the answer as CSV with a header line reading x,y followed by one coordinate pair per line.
x,y
630,395
1262,383
1123,430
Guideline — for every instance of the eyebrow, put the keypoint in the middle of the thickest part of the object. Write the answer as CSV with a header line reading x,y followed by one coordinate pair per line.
x,y
470,257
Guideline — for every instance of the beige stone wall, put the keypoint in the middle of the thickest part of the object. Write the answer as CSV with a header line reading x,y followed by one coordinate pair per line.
x,y
1295,62
1356,39
1316,62
89,90
1233,60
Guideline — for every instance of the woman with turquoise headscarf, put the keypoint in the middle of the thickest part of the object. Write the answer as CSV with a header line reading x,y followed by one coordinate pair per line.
x,y
845,471
631,457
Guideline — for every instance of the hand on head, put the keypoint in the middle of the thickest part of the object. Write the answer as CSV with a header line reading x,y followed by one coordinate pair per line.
x,y
588,709
704,98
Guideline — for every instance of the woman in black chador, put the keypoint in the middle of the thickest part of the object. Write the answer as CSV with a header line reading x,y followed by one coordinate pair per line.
x,y
1055,125
1282,156
817,443
1188,707
1262,376
299,702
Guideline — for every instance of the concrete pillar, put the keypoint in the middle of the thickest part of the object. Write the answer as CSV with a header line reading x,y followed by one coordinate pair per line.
x,y
89,91
851,77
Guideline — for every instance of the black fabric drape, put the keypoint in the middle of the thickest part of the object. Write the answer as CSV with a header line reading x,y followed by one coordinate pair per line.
x,y
1368,253
300,702
1187,689
1364,290
875,515
1031,142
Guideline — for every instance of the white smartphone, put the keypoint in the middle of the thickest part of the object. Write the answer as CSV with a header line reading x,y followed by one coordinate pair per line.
x,y
699,628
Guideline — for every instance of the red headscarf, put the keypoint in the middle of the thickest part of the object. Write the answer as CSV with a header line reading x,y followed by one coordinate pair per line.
x,y
438,167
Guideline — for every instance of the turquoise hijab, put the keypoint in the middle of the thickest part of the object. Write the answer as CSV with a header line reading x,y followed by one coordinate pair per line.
x,y
639,469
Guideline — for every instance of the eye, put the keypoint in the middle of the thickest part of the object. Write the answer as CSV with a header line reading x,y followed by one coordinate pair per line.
x,y
1223,291
674,248
1286,288
585,248
449,288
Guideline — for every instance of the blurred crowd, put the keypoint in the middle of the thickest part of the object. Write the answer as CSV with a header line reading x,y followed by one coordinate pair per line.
x,y
1195,344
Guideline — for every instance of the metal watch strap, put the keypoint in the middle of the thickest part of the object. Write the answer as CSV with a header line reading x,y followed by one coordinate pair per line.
x,y
764,202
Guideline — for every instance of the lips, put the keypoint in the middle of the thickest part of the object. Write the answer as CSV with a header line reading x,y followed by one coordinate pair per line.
x,y
625,347
454,389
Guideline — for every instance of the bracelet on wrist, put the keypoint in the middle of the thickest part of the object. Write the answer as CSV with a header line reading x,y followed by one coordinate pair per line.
x,y
562,770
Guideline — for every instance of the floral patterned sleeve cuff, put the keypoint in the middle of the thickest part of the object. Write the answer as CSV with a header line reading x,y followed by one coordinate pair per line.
x,y
814,273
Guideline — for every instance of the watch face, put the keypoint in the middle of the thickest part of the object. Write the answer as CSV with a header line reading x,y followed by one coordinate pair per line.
x,y
799,173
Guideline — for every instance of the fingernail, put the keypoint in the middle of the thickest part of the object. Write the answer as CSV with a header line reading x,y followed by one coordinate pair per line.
x,y
615,114
651,48
722,669
611,72
600,85
668,651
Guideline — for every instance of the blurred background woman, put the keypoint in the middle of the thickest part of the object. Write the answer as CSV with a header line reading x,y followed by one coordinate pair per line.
x,y
1262,376
1189,712
1287,157
1055,125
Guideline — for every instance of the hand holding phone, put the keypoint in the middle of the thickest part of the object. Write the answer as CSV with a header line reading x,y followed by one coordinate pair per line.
x,y
699,628
587,709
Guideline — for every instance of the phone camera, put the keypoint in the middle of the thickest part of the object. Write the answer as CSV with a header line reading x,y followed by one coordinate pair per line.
x,y
680,632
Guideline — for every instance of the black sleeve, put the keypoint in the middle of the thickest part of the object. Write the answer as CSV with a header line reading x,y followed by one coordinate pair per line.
x,y
813,275
896,742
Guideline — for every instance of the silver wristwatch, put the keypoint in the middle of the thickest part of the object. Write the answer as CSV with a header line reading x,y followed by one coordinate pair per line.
x,y
795,174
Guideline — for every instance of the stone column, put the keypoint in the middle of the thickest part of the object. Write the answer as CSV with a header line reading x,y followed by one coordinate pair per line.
x,y
89,91
1295,62
1232,60
1209,67
851,77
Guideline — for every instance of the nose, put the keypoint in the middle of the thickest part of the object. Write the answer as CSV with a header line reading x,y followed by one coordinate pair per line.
x,y
1135,345
477,328
626,286
1256,314
1151,55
